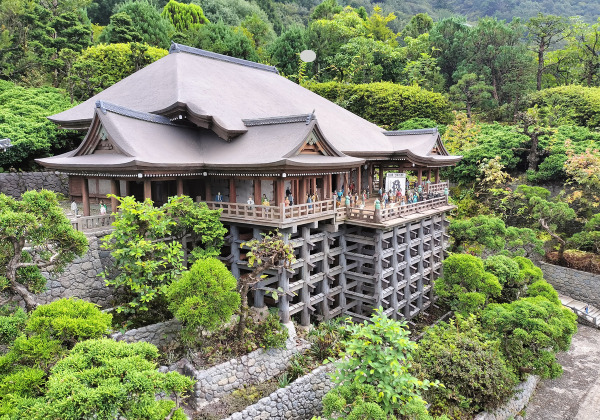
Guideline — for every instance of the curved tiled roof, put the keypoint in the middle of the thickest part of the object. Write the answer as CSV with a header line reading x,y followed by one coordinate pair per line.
x,y
232,97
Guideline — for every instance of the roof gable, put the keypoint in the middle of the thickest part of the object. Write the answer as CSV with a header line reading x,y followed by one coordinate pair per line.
x,y
315,143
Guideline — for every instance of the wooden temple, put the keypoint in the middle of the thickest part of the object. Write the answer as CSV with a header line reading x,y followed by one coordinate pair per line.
x,y
233,133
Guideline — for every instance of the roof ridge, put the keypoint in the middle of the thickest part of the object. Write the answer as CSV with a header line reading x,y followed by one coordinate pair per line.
x,y
433,130
175,48
127,112
287,119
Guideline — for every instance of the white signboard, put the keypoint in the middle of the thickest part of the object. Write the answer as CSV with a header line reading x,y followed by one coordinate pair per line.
x,y
395,182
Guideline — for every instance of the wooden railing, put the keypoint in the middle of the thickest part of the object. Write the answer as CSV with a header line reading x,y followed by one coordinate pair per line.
x,y
277,214
399,210
395,211
92,222
438,188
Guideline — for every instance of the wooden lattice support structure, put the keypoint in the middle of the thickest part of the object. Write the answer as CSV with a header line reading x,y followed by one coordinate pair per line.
x,y
350,270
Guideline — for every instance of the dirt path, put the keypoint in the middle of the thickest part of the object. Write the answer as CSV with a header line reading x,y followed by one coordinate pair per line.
x,y
576,394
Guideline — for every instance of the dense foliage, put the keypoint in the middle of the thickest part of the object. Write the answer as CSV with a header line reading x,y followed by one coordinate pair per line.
x,y
104,378
531,330
146,243
23,120
471,367
49,334
386,104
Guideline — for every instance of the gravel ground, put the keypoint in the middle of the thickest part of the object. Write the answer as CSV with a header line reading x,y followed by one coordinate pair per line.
x,y
576,394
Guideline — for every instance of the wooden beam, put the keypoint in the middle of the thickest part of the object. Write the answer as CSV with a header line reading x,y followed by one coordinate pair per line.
x,y
147,189
85,196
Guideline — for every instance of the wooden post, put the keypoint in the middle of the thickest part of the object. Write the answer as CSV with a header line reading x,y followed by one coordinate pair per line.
x,y
114,189
429,174
346,182
127,191
279,191
419,175
179,186
284,283
370,178
407,275
257,192
302,192
85,196
329,185
437,175
304,293
381,180
396,274
358,180
147,189
232,192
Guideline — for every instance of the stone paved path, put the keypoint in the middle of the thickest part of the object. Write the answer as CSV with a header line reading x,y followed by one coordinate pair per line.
x,y
576,394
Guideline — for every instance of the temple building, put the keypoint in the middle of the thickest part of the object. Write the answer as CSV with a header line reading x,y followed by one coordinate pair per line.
x,y
272,154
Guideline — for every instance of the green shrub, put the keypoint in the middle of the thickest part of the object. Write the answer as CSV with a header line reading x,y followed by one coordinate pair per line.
x,y
529,271
545,289
531,331
69,321
203,298
49,333
379,353
472,368
570,104
384,103
353,401
465,285
11,326
271,333
326,339
107,379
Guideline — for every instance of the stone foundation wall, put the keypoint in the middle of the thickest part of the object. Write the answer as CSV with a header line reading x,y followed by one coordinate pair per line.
x,y
253,368
158,334
15,184
300,400
574,283
516,404
80,278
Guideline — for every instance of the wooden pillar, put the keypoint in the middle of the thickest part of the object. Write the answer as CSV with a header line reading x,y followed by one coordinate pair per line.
x,y
257,192
429,174
437,175
346,182
358,180
313,185
147,189
381,181
419,175
302,191
85,196
114,190
280,191
330,185
179,186
127,191
207,193
370,178
232,192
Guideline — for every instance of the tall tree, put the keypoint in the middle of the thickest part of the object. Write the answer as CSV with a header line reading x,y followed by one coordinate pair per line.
x,y
419,24
545,31
470,91
184,16
448,36
285,49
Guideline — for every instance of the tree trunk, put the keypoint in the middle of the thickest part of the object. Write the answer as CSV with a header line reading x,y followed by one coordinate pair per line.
x,y
495,89
533,157
243,309
540,69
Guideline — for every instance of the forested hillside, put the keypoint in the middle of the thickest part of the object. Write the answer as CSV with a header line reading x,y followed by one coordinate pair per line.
x,y
519,99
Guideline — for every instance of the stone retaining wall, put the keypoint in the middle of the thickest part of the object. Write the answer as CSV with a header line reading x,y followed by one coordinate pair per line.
x,y
80,278
16,183
574,283
300,400
253,368
516,404
157,334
